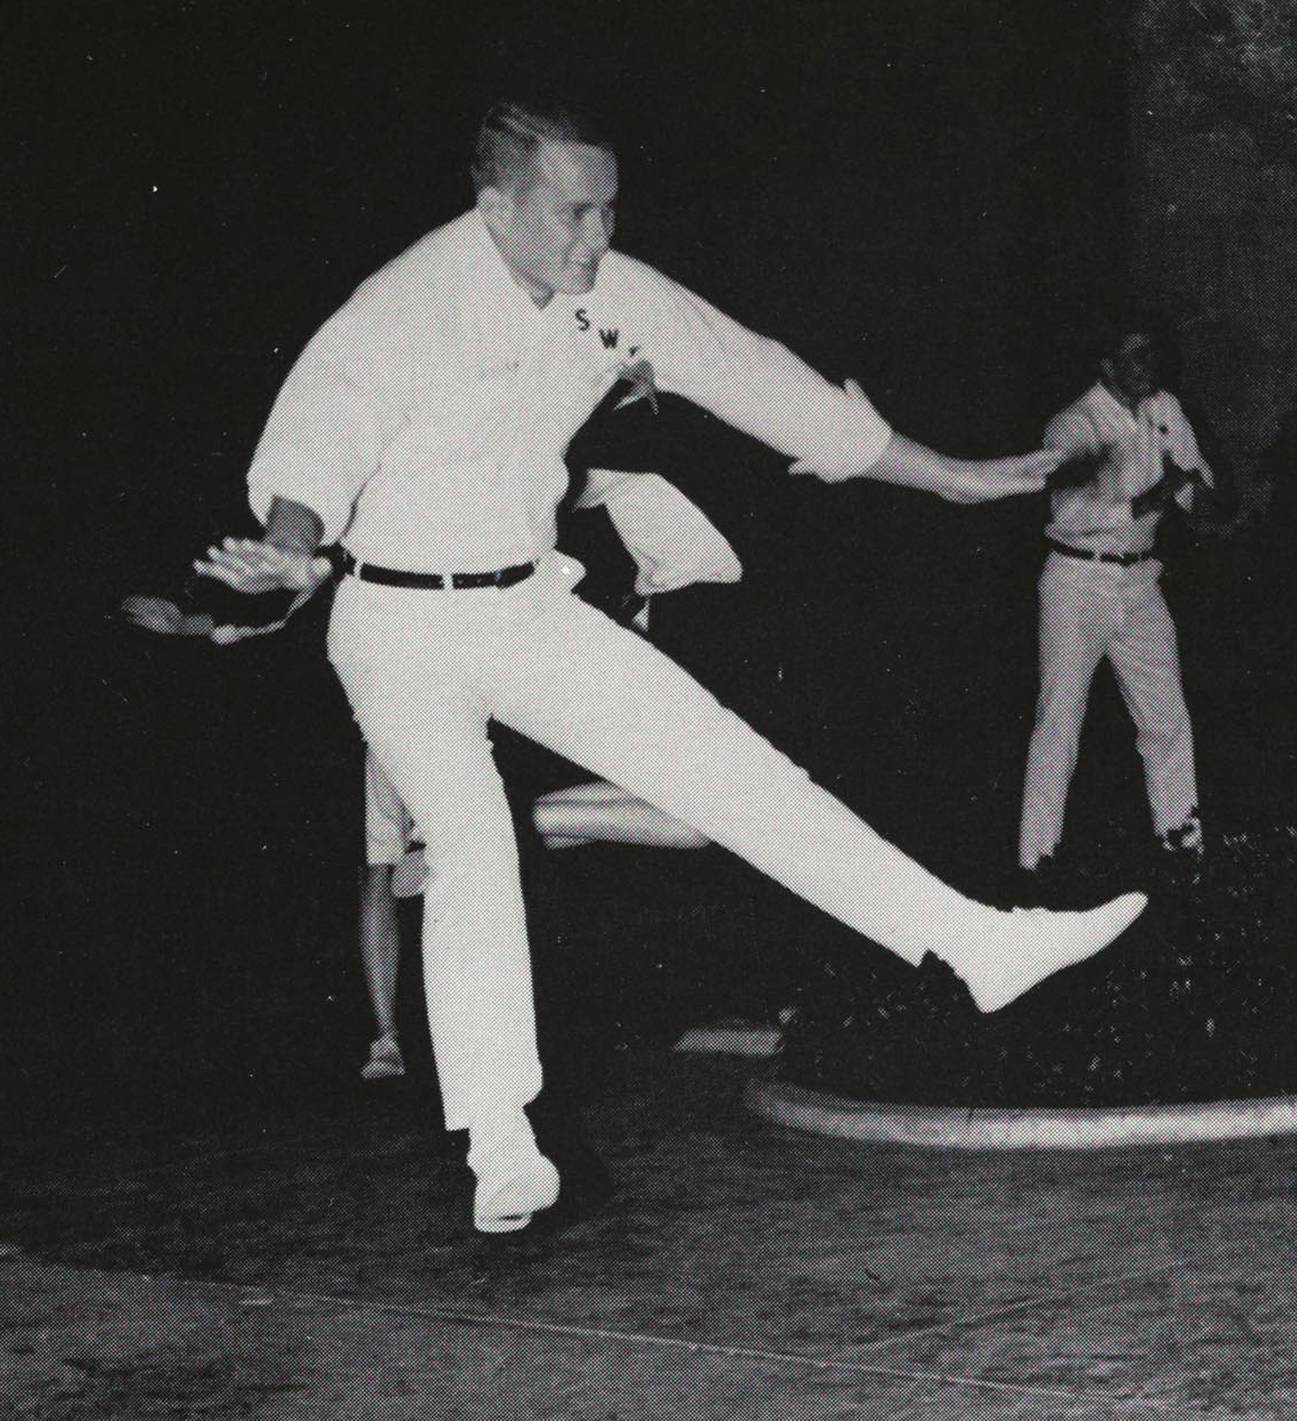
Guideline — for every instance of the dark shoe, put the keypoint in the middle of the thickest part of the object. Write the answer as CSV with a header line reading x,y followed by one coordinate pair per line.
x,y
1187,838
1178,871
1051,884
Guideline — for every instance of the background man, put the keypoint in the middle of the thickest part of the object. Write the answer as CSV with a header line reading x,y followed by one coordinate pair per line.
x,y
425,426
1133,453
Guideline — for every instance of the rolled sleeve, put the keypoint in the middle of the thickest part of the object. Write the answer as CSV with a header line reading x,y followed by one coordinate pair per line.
x,y
757,385
323,439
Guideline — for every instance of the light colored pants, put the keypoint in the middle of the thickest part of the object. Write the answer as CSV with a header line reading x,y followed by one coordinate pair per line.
x,y
425,671
1089,610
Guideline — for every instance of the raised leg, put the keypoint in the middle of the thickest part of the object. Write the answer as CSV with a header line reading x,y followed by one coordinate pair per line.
x,y
605,698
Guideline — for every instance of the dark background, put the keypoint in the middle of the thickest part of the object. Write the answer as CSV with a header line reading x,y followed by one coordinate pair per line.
x,y
926,195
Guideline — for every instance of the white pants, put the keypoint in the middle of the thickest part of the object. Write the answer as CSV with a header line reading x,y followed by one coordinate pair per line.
x,y
425,671
1089,610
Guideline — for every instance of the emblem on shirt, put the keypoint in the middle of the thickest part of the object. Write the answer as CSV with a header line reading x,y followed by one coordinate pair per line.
x,y
608,335
638,375
630,380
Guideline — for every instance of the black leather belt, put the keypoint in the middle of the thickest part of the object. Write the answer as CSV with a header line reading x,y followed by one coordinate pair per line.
x,y
435,581
1123,559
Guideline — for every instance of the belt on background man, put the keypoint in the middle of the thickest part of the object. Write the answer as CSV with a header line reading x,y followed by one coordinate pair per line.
x,y
1123,559
435,581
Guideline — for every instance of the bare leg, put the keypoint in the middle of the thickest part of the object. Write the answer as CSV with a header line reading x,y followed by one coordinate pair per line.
x,y
380,951
588,792
605,813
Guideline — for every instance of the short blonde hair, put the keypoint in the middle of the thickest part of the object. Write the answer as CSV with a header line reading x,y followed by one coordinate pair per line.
x,y
514,129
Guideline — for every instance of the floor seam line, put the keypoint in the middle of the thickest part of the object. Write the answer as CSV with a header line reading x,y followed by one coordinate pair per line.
x,y
264,1294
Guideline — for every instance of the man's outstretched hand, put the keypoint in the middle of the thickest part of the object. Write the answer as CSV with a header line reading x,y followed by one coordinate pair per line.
x,y
960,480
957,480
251,566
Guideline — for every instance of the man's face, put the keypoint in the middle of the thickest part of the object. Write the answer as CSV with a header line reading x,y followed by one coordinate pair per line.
x,y
1132,367
554,231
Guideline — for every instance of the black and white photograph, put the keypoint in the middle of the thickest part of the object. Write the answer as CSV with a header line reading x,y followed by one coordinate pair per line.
x,y
654,710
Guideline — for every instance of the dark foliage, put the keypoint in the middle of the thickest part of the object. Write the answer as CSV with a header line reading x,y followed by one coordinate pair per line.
x,y
1194,1003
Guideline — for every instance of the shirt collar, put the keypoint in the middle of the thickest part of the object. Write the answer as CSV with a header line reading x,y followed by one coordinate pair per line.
x,y
490,282
1110,403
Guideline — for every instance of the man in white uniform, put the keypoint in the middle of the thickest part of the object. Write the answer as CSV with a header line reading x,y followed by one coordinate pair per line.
x,y
425,426
1099,595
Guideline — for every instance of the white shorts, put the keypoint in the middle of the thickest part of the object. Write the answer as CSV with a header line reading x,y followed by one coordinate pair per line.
x,y
389,829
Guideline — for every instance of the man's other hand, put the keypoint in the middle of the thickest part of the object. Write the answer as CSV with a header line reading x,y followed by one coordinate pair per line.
x,y
157,615
960,480
254,567
163,618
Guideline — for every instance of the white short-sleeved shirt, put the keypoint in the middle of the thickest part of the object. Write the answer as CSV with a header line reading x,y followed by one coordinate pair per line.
x,y
1130,446
427,420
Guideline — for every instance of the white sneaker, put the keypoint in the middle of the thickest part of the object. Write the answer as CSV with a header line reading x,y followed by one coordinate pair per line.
x,y
510,1190
1022,948
385,1059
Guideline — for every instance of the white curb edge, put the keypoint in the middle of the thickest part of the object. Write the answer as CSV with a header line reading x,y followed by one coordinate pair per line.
x,y
950,1128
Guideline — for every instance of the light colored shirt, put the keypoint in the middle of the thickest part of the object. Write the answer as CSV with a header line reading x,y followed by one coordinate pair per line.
x,y
426,422
1130,447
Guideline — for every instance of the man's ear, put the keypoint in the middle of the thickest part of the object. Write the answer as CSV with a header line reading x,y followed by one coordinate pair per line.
x,y
496,207
1108,370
